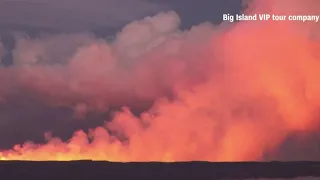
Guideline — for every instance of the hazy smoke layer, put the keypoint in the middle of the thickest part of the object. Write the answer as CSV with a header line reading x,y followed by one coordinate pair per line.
x,y
221,93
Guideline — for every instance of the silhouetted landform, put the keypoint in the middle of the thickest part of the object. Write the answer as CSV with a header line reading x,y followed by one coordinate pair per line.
x,y
92,170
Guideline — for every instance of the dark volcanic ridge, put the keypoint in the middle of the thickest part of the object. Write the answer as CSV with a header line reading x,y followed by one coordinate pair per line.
x,y
92,170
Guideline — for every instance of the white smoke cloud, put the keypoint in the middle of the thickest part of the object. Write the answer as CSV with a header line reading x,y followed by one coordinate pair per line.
x,y
139,37
65,67
56,49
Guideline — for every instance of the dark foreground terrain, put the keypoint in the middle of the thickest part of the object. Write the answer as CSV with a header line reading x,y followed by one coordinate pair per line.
x,y
90,170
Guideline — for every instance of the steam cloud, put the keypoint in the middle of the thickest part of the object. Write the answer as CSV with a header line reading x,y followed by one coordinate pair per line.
x,y
220,93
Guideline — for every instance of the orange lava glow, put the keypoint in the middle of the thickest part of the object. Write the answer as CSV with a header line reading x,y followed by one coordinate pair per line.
x,y
262,85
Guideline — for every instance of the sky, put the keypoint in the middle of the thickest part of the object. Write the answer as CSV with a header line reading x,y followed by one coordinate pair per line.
x,y
68,65
82,15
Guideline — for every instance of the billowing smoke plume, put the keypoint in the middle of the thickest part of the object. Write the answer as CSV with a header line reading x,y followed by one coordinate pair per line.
x,y
145,61
220,93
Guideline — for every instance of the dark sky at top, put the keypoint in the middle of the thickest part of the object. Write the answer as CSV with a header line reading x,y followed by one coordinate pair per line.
x,y
82,15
